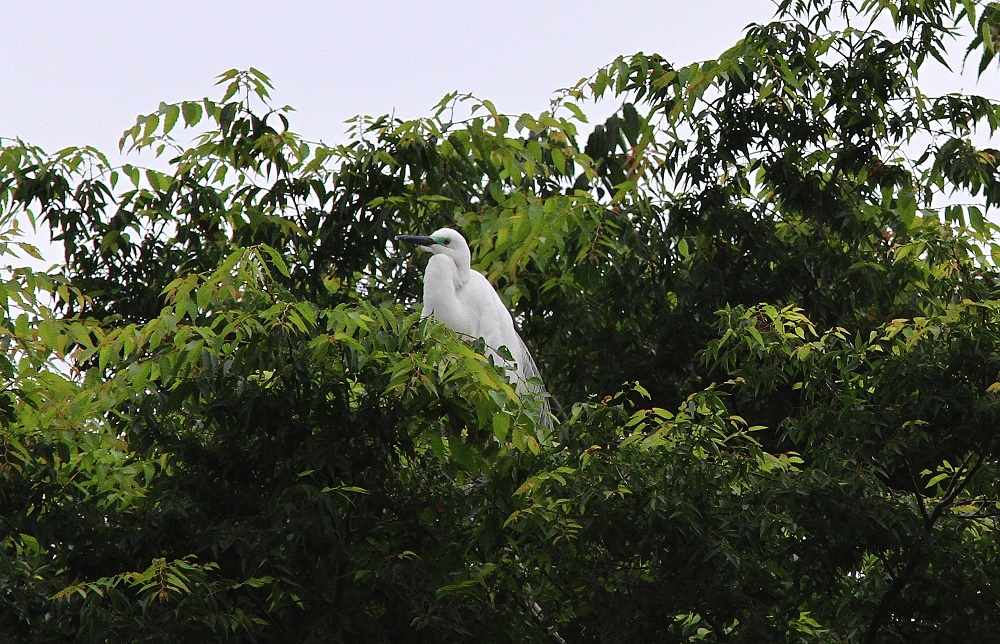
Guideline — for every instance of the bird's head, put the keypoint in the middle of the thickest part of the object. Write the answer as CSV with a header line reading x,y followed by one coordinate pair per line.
x,y
443,241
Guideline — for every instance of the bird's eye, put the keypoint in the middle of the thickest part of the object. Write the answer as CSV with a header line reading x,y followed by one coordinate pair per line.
x,y
447,242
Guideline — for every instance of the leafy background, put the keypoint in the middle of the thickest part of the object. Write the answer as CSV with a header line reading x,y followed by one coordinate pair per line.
x,y
762,294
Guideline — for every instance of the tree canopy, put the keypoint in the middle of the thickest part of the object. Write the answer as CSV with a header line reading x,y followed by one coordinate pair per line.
x,y
763,294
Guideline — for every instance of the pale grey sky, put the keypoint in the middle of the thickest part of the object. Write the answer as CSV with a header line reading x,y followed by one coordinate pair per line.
x,y
76,73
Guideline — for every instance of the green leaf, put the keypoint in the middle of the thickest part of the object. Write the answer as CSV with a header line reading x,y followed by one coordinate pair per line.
x,y
907,208
501,426
171,113
277,260
936,479
977,220
577,112
192,113
559,160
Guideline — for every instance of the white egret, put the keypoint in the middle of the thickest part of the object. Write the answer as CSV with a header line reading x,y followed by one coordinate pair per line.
x,y
465,302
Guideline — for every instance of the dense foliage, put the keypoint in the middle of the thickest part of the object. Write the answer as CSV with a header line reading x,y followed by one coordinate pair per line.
x,y
763,294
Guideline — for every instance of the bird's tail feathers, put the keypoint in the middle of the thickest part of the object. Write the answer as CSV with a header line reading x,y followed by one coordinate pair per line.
x,y
529,382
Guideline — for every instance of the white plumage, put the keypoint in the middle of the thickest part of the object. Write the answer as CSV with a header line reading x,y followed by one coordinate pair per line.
x,y
465,301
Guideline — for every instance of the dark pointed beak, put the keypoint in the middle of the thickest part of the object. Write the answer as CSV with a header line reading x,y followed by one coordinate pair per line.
x,y
416,239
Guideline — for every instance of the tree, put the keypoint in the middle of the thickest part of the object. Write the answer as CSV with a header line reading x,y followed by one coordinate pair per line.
x,y
776,355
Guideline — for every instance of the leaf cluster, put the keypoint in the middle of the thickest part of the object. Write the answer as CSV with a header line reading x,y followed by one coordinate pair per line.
x,y
222,420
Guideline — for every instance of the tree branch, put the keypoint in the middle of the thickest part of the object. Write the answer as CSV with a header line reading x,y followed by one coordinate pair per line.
x,y
957,484
919,495
956,487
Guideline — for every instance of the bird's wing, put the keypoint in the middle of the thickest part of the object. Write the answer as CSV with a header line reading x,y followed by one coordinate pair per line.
x,y
527,371
496,327
442,297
